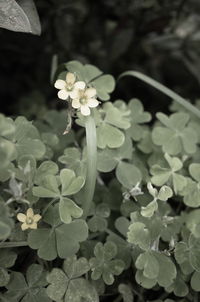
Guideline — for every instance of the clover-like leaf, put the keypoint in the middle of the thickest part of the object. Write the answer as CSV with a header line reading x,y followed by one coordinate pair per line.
x,y
108,158
128,175
110,136
126,292
70,184
68,285
149,210
153,264
104,264
176,137
68,209
138,234
58,239
7,259
30,289
138,117
163,175
73,160
104,84
6,223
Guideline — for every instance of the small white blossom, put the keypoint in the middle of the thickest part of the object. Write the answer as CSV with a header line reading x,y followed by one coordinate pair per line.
x,y
85,100
29,220
69,87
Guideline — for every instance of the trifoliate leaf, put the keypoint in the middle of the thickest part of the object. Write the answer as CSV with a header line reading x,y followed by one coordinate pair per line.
x,y
138,117
176,137
31,289
104,264
58,239
68,285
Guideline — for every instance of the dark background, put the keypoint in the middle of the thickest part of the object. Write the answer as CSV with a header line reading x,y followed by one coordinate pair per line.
x,y
159,38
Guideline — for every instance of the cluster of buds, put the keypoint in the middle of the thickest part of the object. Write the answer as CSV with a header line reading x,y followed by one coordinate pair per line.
x,y
81,97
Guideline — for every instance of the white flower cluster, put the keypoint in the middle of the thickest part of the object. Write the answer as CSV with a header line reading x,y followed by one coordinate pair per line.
x,y
82,98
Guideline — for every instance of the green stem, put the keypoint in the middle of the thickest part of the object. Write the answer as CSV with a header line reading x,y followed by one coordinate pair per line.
x,y
13,244
177,98
91,175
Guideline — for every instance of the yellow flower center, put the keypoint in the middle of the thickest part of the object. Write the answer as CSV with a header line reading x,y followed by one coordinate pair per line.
x,y
29,220
69,86
83,101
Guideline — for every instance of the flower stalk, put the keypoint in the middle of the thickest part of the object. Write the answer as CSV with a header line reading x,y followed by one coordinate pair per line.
x,y
91,141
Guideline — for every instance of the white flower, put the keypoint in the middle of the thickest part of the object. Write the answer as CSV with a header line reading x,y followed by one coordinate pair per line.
x,y
69,87
29,220
85,100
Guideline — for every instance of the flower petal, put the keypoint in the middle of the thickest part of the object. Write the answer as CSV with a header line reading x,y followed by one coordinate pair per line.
x,y
29,213
21,217
74,94
37,217
24,226
60,84
90,92
85,110
70,78
63,94
76,104
33,226
80,85
93,103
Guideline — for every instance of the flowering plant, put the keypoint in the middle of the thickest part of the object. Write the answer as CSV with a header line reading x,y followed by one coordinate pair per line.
x,y
108,211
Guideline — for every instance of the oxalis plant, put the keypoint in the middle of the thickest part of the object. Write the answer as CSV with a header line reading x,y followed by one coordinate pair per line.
x,y
108,211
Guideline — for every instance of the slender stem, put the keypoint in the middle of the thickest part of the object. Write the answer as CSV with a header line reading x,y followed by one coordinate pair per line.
x,y
13,244
177,98
91,141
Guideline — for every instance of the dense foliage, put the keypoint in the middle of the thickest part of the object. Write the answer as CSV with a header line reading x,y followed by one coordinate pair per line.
x,y
139,239
100,188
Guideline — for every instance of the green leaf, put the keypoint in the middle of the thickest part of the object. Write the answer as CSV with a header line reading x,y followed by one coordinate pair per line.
x,y
144,281
195,281
60,239
126,292
67,285
149,264
128,175
116,117
109,136
46,168
4,277
48,187
167,266
104,85
194,170
68,209
20,16
103,263
177,137
138,234
194,252
149,210
70,183
30,290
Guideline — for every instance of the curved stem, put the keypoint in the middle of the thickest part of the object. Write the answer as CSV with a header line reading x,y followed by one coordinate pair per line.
x,y
177,98
13,244
91,141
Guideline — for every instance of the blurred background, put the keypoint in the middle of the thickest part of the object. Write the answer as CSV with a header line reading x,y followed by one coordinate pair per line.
x,y
160,38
